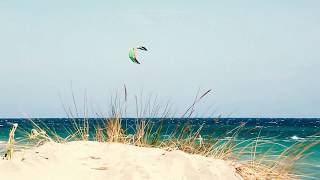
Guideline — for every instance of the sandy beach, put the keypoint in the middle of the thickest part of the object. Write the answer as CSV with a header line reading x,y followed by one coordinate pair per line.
x,y
93,160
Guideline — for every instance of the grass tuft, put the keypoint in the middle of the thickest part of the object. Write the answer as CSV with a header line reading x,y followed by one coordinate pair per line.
x,y
184,137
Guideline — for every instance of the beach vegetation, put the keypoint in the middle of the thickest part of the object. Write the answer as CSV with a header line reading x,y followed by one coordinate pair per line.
x,y
249,157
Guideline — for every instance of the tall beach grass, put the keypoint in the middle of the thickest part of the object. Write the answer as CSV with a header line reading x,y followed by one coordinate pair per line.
x,y
246,156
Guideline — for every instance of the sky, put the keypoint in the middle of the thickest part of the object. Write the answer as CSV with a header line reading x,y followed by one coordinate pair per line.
x,y
260,58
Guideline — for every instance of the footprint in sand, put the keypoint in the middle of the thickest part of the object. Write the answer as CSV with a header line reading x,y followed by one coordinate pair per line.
x,y
93,163
94,157
100,168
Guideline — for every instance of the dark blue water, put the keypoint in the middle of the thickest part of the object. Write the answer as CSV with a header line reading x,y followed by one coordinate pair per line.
x,y
284,131
278,128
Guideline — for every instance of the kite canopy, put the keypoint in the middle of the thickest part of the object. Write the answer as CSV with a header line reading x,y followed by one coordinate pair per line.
x,y
133,53
142,48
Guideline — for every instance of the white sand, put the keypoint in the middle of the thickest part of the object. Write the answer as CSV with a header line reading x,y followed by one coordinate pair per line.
x,y
92,160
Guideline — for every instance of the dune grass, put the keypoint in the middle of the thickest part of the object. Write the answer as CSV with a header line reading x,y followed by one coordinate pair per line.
x,y
184,137
10,145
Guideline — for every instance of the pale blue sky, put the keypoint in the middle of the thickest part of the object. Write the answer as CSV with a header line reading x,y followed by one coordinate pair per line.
x,y
261,58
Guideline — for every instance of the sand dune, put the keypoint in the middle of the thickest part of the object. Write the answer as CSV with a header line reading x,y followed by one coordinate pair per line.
x,y
93,160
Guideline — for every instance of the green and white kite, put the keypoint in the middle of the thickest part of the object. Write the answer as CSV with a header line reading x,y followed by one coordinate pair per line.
x,y
133,53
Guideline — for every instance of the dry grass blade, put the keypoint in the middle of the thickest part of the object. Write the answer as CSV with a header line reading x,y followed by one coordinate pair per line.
x,y
140,132
99,136
190,110
115,133
10,145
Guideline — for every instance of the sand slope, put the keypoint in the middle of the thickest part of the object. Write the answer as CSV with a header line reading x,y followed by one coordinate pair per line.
x,y
92,160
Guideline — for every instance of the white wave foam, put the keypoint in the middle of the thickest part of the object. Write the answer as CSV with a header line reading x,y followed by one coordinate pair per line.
x,y
296,138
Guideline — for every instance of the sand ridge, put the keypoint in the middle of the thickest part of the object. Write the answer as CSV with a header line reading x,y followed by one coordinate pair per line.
x,y
84,160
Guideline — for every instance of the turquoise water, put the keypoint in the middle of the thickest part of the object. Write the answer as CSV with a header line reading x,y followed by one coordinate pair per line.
x,y
284,132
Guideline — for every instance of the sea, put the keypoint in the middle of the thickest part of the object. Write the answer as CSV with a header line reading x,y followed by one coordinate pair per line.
x,y
276,134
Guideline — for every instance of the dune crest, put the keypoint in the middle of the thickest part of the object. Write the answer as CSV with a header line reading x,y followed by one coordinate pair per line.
x,y
83,160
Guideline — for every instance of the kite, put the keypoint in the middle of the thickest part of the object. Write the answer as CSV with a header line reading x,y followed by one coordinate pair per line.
x,y
133,53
